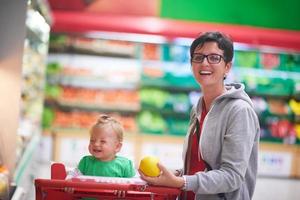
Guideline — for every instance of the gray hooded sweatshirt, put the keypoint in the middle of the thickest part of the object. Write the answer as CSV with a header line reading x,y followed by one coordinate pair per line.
x,y
229,144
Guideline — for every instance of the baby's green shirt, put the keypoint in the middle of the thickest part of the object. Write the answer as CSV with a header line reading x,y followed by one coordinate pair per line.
x,y
119,167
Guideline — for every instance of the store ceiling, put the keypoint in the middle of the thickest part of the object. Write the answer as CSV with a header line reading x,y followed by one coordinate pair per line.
x,y
143,16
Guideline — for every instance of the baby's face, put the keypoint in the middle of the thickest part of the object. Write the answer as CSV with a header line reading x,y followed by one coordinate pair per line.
x,y
104,144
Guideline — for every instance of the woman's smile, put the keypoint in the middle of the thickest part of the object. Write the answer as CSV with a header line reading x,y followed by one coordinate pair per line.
x,y
204,72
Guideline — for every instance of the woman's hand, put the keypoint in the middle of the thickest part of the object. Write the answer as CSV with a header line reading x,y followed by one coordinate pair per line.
x,y
166,178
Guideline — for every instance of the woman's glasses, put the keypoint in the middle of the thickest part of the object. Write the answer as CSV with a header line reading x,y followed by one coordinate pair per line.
x,y
211,58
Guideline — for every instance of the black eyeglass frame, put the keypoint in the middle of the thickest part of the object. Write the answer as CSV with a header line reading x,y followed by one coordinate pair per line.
x,y
207,58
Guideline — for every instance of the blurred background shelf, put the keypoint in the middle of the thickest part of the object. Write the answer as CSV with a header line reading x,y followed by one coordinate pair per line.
x,y
139,72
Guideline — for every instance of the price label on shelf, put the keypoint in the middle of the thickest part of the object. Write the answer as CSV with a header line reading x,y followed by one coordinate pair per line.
x,y
272,163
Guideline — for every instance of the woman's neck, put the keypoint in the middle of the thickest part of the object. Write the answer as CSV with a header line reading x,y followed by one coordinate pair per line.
x,y
210,94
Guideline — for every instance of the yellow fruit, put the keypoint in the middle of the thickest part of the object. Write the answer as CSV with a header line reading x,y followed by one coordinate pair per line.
x,y
148,166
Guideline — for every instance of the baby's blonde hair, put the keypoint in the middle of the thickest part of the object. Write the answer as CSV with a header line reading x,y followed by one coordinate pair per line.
x,y
108,121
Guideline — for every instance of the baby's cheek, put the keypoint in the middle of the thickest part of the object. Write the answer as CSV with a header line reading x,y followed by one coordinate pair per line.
x,y
90,149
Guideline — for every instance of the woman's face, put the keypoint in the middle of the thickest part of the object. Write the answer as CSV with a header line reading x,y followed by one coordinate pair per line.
x,y
104,144
210,74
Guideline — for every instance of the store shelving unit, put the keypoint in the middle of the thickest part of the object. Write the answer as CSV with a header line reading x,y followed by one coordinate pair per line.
x,y
32,99
271,77
268,66
83,81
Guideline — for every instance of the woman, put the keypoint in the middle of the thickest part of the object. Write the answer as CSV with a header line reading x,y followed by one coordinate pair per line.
x,y
220,149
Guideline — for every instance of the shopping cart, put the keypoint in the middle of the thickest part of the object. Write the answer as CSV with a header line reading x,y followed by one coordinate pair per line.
x,y
102,188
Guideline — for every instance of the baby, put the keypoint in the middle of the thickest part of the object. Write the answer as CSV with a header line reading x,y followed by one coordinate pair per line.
x,y
106,137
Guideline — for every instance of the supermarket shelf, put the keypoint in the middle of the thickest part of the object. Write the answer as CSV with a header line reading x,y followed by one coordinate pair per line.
x,y
151,136
106,107
269,96
161,84
278,160
79,131
266,73
26,157
73,50
37,27
89,82
171,80
168,112
272,140
167,138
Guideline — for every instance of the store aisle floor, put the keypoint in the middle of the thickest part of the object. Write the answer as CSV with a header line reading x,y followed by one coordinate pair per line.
x,y
266,188
277,189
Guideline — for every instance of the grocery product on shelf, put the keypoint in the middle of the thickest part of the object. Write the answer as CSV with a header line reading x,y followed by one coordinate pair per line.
x,y
165,82
4,183
78,90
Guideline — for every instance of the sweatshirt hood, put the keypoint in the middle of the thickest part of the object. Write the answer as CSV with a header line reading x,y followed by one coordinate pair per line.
x,y
233,91
236,91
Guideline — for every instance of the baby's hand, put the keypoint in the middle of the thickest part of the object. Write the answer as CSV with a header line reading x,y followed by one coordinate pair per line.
x,y
120,193
69,190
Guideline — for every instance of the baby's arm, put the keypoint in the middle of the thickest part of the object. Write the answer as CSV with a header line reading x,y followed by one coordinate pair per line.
x,y
72,173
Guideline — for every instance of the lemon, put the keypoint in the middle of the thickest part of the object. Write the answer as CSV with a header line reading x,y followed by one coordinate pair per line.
x,y
148,166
